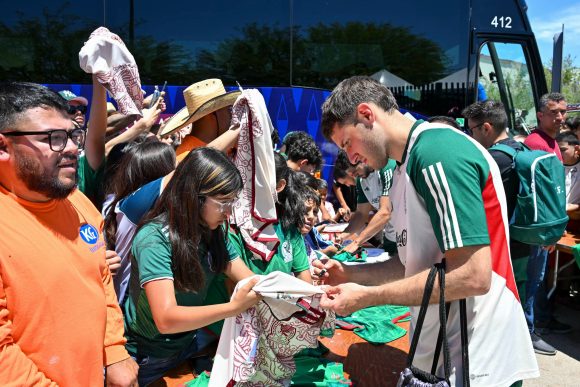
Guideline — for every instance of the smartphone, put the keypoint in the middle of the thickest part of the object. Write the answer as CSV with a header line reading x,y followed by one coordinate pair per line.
x,y
157,94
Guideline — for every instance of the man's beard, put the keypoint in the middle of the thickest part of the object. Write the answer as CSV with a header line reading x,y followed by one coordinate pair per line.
x,y
37,179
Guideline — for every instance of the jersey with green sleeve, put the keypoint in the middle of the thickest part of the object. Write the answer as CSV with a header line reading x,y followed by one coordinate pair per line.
x,y
450,183
447,194
376,184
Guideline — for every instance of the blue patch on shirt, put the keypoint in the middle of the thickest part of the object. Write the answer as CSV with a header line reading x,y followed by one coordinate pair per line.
x,y
89,234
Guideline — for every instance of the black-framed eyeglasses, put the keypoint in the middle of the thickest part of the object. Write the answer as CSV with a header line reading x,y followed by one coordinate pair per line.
x,y
80,108
57,138
470,128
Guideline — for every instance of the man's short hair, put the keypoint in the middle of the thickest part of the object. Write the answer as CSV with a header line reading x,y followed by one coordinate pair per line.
x,y
445,120
301,148
568,137
488,111
18,97
342,162
554,97
340,106
339,173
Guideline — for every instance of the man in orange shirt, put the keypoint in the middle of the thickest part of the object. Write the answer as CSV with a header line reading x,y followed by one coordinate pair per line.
x,y
59,319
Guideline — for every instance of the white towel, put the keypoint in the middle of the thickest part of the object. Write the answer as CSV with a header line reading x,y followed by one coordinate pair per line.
x,y
106,56
255,212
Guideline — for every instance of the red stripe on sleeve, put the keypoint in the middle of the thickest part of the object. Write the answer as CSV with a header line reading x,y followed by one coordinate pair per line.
x,y
500,256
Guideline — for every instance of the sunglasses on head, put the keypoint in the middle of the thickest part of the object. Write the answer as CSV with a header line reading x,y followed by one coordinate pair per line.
x,y
80,108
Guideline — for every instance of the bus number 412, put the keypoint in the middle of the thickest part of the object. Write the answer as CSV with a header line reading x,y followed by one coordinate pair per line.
x,y
502,22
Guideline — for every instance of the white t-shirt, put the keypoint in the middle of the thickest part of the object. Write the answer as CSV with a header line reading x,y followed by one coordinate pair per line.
x,y
572,183
329,208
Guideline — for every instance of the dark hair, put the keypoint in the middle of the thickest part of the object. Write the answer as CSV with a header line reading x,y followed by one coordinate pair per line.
x,y
573,122
301,187
445,120
18,97
140,164
282,172
293,135
568,137
339,173
275,137
113,161
205,172
322,184
304,147
340,107
282,169
554,97
488,111
342,162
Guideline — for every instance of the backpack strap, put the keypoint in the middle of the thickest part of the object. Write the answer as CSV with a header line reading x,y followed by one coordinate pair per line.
x,y
508,149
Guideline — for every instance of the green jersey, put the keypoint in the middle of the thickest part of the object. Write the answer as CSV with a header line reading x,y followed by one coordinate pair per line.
x,y
152,252
90,182
290,257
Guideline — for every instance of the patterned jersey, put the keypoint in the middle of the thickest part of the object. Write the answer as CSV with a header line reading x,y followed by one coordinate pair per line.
x,y
257,346
445,199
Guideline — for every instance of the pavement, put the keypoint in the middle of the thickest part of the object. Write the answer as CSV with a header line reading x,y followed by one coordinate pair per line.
x,y
563,369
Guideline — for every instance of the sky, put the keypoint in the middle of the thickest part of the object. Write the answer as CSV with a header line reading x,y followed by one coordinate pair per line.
x,y
547,17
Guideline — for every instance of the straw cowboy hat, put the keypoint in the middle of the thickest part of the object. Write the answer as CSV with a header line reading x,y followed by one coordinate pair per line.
x,y
201,99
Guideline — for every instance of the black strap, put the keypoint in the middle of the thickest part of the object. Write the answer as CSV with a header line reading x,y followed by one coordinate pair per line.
x,y
439,341
424,304
443,320
464,341
439,269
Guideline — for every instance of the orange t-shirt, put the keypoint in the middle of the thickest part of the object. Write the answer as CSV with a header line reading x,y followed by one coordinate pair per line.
x,y
188,144
59,318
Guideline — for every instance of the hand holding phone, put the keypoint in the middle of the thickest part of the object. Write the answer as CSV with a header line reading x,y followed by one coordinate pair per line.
x,y
157,94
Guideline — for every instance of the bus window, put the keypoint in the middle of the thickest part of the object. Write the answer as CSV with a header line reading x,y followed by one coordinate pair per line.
x,y
504,76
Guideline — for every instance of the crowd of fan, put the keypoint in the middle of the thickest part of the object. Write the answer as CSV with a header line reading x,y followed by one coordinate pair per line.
x,y
172,256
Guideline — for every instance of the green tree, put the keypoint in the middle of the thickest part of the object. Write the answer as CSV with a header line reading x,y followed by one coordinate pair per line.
x,y
570,78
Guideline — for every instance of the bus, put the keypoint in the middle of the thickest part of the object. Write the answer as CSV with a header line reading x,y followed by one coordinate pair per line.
x,y
436,56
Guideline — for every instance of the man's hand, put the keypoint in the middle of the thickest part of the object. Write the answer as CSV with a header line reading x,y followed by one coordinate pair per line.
x,y
122,374
346,298
113,260
345,213
352,247
329,270
550,249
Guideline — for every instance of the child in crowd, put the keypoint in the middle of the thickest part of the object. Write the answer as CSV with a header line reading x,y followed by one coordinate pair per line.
x,y
326,206
570,149
178,249
312,237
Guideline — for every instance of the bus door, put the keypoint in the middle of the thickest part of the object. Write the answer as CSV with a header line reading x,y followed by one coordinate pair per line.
x,y
508,67
504,75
